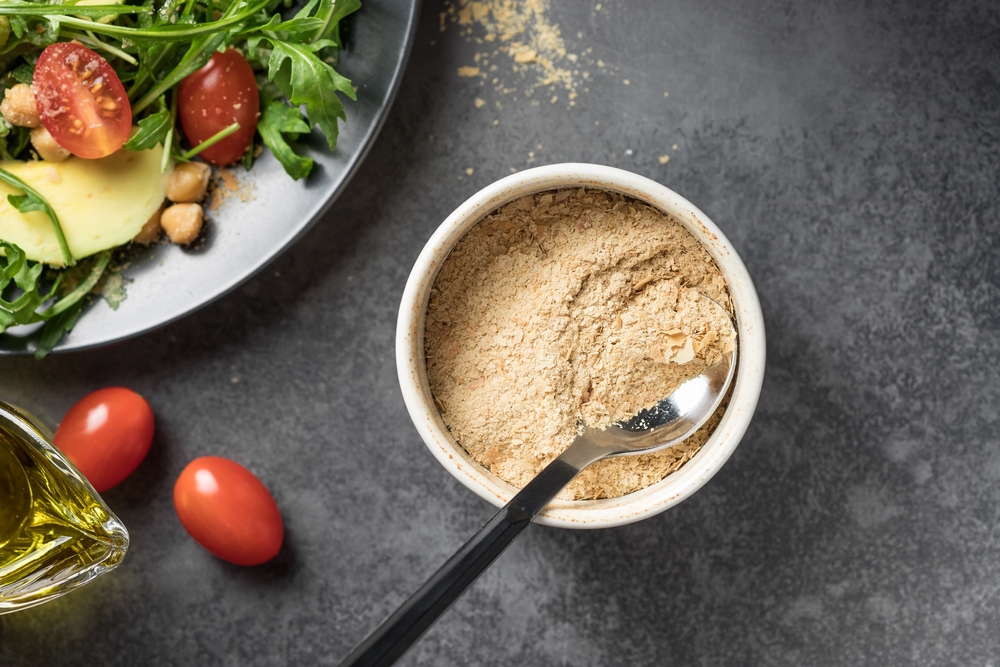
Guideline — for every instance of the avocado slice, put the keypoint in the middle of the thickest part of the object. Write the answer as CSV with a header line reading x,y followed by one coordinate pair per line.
x,y
100,203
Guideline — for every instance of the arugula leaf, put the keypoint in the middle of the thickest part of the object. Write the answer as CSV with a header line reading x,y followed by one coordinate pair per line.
x,y
15,268
155,60
24,73
147,19
53,330
305,79
100,263
153,130
307,9
331,12
18,26
296,27
61,316
13,139
26,203
279,123
36,33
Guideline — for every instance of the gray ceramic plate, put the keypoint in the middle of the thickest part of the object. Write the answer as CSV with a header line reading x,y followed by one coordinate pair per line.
x,y
168,282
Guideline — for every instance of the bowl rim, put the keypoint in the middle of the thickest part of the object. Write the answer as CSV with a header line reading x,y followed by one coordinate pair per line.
x,y
635,506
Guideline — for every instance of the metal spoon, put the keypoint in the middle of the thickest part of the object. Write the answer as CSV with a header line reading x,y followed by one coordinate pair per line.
x,y
666,424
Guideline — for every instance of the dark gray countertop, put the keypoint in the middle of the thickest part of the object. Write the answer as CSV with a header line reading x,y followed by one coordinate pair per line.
x,y
851,153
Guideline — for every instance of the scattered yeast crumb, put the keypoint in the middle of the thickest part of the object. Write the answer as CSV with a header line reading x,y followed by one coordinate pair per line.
x,y
226,184
215,200
229,180
664,159
526,55
480,103
565,307
519,31
468,71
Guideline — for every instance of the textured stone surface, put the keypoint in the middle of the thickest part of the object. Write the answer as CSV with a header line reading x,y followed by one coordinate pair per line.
x,y
850,151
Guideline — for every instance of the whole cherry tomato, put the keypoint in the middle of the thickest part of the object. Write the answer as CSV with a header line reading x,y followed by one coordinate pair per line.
x,y
228,511
106,435
81,101
221,93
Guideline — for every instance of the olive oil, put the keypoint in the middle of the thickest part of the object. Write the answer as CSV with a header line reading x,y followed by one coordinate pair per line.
x,y
55,531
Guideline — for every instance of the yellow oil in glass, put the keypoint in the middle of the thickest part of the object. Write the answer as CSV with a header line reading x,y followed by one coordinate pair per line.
x,y
55,531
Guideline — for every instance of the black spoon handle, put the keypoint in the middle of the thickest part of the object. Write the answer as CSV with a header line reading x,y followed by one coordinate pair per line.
x,y
405,626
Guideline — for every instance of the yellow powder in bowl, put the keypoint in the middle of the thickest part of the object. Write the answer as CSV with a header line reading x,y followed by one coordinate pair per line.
x,y
570,307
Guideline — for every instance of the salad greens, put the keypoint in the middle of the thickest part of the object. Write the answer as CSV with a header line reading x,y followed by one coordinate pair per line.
x,y
152,45
64,310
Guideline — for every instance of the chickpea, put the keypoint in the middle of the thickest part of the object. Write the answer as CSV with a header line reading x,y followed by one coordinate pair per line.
x,y
188,182
46,146
150,231
19,107
182,222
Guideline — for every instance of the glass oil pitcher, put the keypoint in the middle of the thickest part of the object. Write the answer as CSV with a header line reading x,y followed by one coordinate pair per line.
x,y
56,533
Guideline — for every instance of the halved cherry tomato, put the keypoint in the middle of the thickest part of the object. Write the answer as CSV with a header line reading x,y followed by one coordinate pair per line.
x,y
221,93
81,101
227,510
106,435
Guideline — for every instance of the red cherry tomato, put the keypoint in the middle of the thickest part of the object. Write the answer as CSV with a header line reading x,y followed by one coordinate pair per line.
x,y
106,435
221,93
228,511
81,101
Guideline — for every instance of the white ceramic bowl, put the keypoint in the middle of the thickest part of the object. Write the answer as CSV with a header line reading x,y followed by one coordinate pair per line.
x,y
581,513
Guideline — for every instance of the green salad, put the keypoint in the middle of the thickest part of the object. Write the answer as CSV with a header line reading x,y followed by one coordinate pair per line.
x,y
143,95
